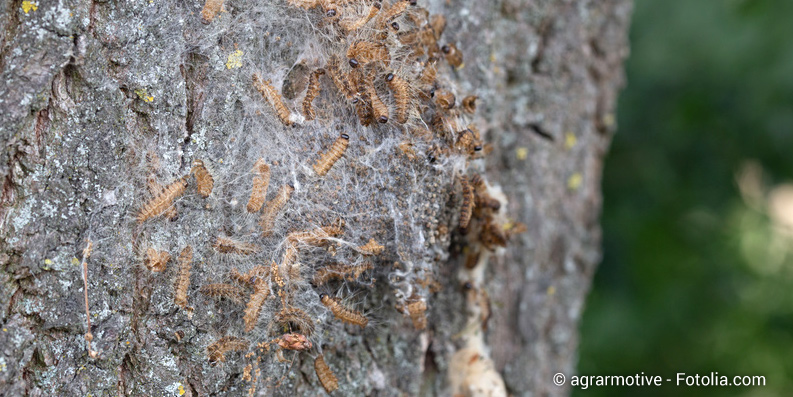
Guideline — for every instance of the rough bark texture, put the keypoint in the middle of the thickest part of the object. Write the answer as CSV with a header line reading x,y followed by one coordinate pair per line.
x,y
77,83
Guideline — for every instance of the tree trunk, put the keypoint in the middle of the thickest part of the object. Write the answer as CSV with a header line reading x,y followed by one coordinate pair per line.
x,y
98,99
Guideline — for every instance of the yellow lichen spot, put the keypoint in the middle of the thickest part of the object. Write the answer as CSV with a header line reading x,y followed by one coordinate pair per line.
x,y
522,153
143,94
128,342
574,182
28,6
3,367
235,60
551,290
608,120
181,390
75,261
48,262
569,140
5,329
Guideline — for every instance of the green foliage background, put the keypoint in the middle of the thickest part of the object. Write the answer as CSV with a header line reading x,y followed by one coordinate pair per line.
x,y
690,281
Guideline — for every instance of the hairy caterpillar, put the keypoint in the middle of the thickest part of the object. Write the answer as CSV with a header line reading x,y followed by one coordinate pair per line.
x,y
217,350
379,108
401,90
226,245
438,24
444,99
293,316
371,248
254,307
260,183
364,109
204,180
428,74
351,26
157,260
343,313
365,52
468,203
316,236
325,375
453,55
326,161
183,278
222,290
274,207
483,199
155,189
311,92
339,80
394,11
159,204
294,342
469,104
341,272
211,8
273,97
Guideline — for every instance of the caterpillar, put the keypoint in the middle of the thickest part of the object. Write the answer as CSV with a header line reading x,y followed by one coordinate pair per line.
x,y
469,104
483,199
274,207
294,342
316,236
159,204
217,350
351,26
444,99
155,189
365,52
274,98
211,8
343,313
183,278
438,25
292,316
226,245
261,181
204,180
394,11
428,74
339,80
371,248
341,272
401,90
222,290
157,260
325,375
364,109
468,203
453,55
326,161
311,92
254,307
379,108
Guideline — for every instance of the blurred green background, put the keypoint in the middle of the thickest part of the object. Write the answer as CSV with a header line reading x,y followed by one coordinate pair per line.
x,y
697,274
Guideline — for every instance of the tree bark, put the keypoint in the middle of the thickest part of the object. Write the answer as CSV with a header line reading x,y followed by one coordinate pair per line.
x,y
91,92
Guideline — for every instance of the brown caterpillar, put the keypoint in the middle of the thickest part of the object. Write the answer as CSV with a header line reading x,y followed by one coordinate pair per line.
x,y
274,207
217,350
351,26
401,90
204,180
311,92
438,25
380,110
294,342
338,271
293,316
468,203
226,245
211,8
363,53
326,161
343,313
444,99
428,75
325,375
453,55
363,108
371,248
315,237
469,104
338,78
254,307
394,11
157,260
483,199
159,204
273,97
155,189
222,290
183,278
260,183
